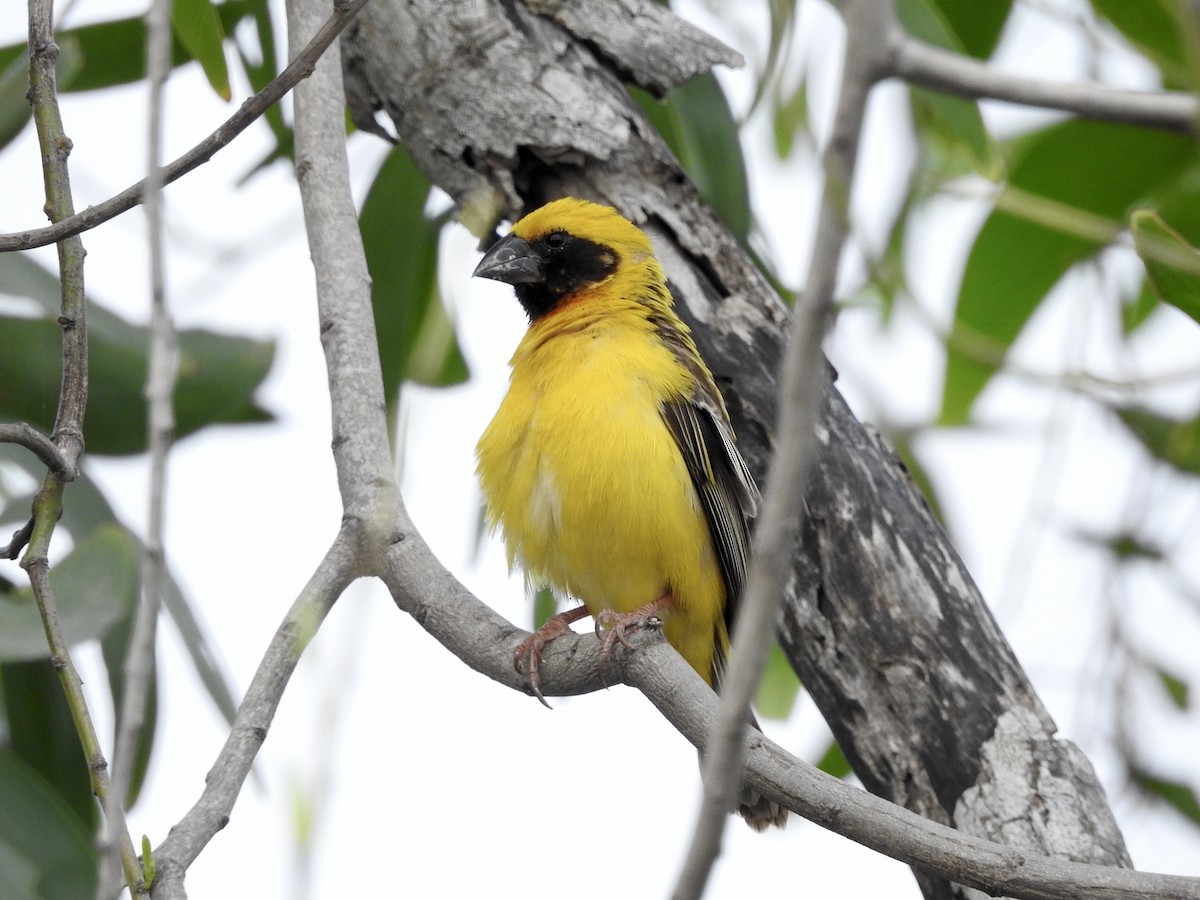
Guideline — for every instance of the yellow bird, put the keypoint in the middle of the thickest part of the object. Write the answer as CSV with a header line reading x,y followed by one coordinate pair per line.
x,y
610,467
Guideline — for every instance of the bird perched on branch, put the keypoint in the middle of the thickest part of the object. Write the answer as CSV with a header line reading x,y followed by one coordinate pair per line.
x,y
610,467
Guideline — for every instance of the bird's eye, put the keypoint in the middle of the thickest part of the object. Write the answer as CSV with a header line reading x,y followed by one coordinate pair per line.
x,y
556,240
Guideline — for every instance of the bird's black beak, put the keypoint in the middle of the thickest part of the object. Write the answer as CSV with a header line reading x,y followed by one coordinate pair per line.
x,y
512,261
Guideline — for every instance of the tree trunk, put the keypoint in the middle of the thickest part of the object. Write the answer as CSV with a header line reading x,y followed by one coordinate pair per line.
x,y
507,104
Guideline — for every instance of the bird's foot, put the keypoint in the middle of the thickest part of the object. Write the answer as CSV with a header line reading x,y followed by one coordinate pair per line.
x,y
527,659
617,625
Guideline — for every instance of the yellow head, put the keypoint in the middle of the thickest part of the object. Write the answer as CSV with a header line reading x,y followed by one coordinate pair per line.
x,y
569,246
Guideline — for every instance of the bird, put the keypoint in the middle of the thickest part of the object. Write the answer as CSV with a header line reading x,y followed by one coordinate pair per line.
x,y
611,468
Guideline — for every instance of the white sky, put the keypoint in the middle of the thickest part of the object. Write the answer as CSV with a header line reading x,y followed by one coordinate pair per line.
x,y
427,779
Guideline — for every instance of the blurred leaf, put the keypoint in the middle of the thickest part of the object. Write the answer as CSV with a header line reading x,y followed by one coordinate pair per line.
x,y
977,26
698,126
950,128
401,245
1179,796
1136,312
1177,689
15,111
115,647
1154,28
544,606
779,687
114,52
783,25
260,74
1172,264
1098,170
1124,546
204,660
1172,441
197,27
218,375
42,733
45,854
95,586
833,762
790,119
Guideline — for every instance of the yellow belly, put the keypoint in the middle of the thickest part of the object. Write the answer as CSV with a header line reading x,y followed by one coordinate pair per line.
x,y
586,483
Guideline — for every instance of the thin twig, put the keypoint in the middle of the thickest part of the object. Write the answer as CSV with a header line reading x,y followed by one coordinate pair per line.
x,y
249,111
801,392
224,783
931,67
1002,871
72,402
162,368
41,446
361,449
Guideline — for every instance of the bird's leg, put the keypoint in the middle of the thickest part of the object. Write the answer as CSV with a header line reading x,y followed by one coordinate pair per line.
x,y
618,624
528,658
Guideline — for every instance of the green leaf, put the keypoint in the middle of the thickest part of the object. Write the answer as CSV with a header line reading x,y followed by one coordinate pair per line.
x,y
95,586
114,52
1069,186
544,606
790,119
42,733
45,854
977,26
1177,689
115,647
1175,442
833,761
1136,311
218,375
699,127
416,340
779,687
1172,264
148,867
197,27
951,129
1154,28
1175,794
204,660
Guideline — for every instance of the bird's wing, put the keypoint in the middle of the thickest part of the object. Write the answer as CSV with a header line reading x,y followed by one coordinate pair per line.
x,y
727,490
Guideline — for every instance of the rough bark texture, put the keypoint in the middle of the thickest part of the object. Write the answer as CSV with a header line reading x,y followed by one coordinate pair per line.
x,y
505,109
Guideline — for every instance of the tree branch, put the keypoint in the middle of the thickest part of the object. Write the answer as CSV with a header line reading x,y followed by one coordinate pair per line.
x,y
931,67
67,436
224,782
247,113
801,388
162,367
41,446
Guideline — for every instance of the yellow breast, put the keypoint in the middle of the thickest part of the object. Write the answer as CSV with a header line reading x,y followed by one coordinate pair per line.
x,y
585,481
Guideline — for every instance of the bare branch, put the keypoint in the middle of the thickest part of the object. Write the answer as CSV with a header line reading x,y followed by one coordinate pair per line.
x,y
162,367
801,391
921,64
670,684
250,110
41,446
211,812
55,147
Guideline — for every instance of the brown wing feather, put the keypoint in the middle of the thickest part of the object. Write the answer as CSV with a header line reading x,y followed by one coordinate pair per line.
x,y
728,494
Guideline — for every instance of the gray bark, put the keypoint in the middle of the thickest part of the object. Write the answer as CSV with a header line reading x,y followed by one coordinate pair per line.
x,y
505,109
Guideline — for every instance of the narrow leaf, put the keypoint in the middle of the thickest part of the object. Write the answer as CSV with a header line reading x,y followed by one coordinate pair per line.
x,y
1080,176
1172,264
779,687
40,835
833,761
94,586
1175,442
1177,688
197,27
1179,796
